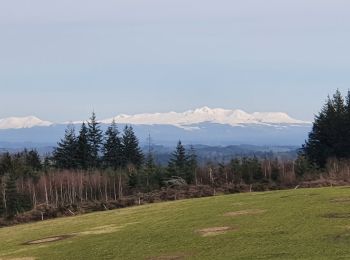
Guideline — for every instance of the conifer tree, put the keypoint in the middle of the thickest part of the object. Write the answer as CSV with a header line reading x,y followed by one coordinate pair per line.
x,y
346,127
65,153
2,196
112,148
192,165
329,135
150,166
178,164
83,148
2,205
6,164
12,203
95,141
131,149
33,160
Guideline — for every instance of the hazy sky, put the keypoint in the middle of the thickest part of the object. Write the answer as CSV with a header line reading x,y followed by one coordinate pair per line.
x,y
59,59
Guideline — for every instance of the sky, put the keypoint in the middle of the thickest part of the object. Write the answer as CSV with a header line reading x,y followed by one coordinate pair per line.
x,y
59,60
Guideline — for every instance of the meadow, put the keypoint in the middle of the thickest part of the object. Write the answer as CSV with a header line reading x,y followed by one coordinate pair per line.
x,y
292,224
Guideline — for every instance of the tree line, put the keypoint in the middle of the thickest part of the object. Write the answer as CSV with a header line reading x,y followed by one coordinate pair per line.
x,y
92,149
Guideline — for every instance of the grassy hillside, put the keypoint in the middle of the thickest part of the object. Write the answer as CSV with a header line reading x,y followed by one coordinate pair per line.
x,y
298,224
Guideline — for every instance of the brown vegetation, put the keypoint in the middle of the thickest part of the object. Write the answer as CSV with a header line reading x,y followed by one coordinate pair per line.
x,y
245,212
215,231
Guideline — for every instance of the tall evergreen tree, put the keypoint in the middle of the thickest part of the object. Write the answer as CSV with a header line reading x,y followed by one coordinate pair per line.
x,y
192,165
178,164
6,164
329,134
12,203
346,127
112,148
33,160
150,166
95,141
64,155
83,148
2,200
131,149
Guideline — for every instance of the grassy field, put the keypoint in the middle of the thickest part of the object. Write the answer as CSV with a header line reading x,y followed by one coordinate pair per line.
x,y
296,224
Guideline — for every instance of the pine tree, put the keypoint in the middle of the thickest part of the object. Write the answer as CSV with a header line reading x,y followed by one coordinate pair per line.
x,y
178,164
329,135
150,166
12,204
2,198
131,150
112,148
83,148
64,155
33,160
346,127
192,165
95,141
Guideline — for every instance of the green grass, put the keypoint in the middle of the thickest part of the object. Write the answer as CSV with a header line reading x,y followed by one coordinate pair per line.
x,y
294,226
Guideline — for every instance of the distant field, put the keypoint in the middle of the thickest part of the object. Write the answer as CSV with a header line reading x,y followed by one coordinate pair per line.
x,y
297,224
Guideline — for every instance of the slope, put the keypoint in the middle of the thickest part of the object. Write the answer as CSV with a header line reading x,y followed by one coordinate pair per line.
x,y
298,224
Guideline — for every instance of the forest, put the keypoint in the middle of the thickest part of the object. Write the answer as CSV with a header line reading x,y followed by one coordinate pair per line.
x,y
94,170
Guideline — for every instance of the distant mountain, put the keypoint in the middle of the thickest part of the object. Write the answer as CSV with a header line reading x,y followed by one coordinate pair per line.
x,y
182,120
206,115
22,122
214,127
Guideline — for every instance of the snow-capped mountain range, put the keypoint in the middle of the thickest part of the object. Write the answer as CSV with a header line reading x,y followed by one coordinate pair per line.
x,y
203,126
22,122
182,120
206,115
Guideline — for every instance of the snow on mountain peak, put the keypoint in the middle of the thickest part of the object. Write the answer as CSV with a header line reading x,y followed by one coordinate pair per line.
x,y
22,122
206,114
185,120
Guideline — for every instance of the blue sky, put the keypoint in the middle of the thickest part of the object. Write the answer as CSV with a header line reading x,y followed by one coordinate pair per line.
x,y
61,59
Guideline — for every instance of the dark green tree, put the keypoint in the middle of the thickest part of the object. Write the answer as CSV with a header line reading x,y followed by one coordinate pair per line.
x,y
6,164
12,203
33,160
112,148
150,165
83,148
95,141
346,127
64,154
328,138
2,200
178,163
131,149
192,165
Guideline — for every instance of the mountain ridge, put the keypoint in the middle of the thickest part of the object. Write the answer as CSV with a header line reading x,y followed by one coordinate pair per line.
x,y
183,120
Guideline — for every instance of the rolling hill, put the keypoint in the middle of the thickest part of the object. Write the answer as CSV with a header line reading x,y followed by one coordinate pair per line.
x,y
295,224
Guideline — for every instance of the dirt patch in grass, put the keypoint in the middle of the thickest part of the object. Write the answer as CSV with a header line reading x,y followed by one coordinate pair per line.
x,y
313,194
48,240
244,212
19,258
340,200
238,204
178,256
334,215
108,229
299,195
289,196
215,231
101,230
342,237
